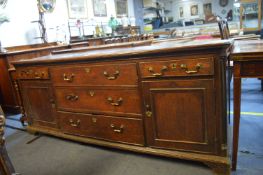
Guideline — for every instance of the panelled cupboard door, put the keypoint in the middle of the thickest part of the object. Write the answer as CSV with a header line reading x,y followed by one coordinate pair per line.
x,y
180,114
39,103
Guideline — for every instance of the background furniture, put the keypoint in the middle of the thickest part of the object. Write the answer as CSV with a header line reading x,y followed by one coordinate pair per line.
x,y
134,98
248,63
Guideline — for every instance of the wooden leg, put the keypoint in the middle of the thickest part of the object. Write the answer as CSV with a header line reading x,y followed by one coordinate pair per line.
x,y
23,119
219,169
237,98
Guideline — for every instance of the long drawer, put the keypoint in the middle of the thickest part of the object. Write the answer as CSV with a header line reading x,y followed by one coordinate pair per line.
x,y
33,73
177,67
83,99
89,74
125,130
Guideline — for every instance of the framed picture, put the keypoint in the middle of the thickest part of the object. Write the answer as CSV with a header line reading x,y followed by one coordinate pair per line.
x,y
207,9
194,10
77,9
99,8
223,3
121,8
181,12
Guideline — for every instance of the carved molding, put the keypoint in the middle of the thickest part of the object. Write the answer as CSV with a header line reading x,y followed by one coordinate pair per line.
x,y
2,124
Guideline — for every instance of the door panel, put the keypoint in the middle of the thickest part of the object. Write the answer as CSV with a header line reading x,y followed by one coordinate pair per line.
x,y
182,114
39,103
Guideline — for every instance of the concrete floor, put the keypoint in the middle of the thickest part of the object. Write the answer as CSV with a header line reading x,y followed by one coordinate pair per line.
x,y
60,157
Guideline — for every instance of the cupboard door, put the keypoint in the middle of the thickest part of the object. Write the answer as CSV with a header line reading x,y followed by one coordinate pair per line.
x,y
39,103
180,114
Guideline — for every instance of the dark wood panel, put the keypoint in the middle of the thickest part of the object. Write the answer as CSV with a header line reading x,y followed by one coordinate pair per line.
x,y
39,103
182,114
252,69
6,88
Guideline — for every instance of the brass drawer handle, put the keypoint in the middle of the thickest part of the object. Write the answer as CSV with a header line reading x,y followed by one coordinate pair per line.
x,y
197,67
164,68
111,77
117,130
68,78
148,113
117,103
94,120
72,97
52,102
37,76
74,124
26,72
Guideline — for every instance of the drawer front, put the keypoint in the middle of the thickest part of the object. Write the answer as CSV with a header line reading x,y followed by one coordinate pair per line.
x,y
180,67
114,74
33,73
251,69
103,127
81,99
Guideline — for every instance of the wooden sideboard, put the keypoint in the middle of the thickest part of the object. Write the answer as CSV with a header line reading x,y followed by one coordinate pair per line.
x,y
166,99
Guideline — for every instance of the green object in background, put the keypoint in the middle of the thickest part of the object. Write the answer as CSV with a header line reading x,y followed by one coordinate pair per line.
x,y
3,18
113,23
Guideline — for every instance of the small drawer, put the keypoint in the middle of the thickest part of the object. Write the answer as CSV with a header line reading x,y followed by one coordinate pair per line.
x,y
180,67
108,74
33,73
251,69
124,130
111,101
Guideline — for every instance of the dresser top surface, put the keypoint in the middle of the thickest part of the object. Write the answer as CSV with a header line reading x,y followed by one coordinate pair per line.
x,y
244,50
154,48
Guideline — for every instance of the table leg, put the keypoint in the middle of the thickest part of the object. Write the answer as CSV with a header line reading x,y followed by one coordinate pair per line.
x,y
237,98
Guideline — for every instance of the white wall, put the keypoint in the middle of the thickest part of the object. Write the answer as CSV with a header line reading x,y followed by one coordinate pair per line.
x,y
21,31
218,9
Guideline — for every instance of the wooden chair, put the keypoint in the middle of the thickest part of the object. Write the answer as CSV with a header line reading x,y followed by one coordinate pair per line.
x,y
223,28
6,167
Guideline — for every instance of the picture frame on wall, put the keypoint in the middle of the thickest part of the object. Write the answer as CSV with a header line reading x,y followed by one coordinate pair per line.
x,y
223,3
121,8
194,10
99,8
181,12
207,9
77,9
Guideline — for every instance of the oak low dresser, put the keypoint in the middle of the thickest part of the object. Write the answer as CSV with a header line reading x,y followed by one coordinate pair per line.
x,y
167,98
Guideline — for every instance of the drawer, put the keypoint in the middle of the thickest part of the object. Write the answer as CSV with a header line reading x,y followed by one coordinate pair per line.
x,y
125,130
33,73
113,101
251,69
180,67
109,74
